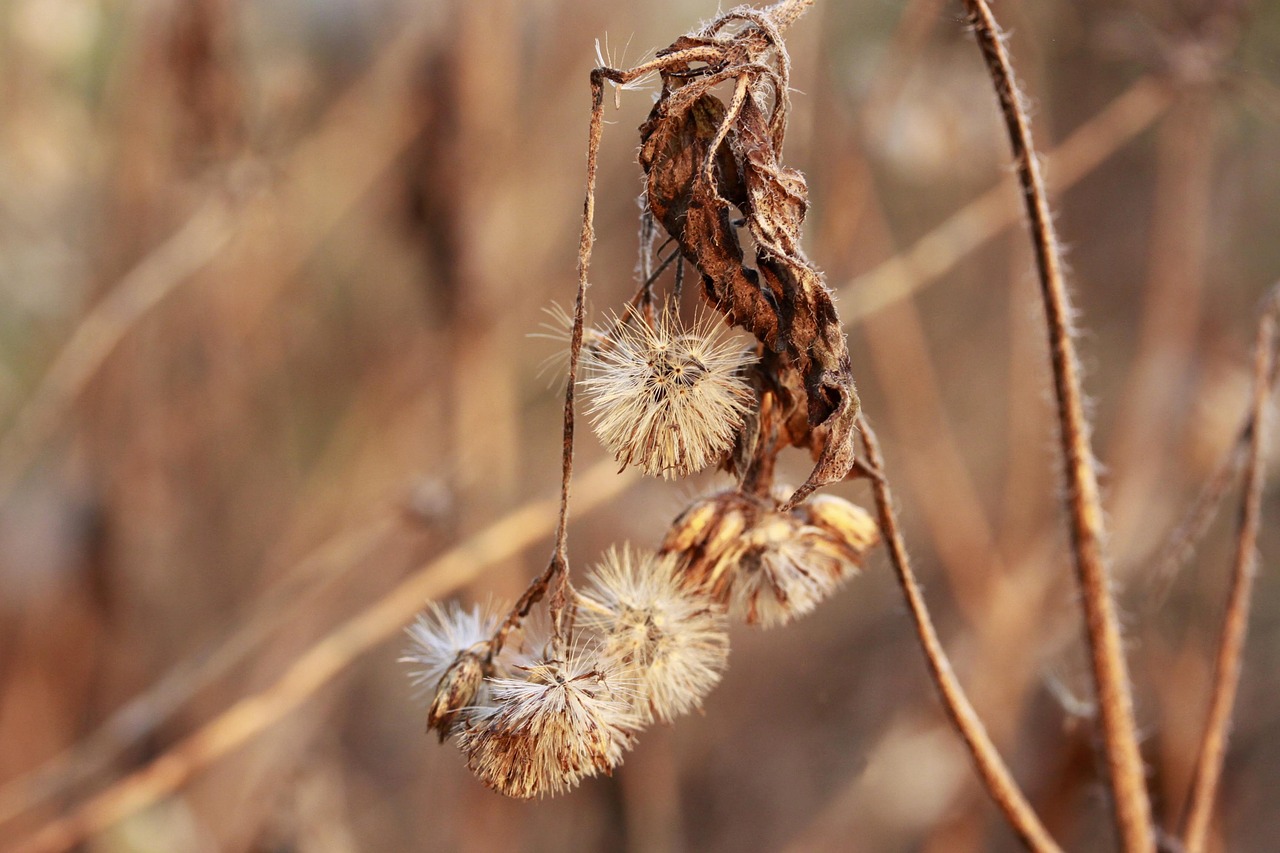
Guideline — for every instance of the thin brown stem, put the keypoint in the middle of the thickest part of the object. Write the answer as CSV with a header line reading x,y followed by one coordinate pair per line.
x,y
1195,522
1000,784
1227,664
556,575
1110,670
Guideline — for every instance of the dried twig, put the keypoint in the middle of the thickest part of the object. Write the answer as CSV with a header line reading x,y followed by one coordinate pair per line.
x,y
995,773
557,570
1110,670
1213,743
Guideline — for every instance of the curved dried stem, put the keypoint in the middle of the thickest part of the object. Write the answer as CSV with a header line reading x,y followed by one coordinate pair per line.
x,y
1227,664
1110,670
318,666
1000,784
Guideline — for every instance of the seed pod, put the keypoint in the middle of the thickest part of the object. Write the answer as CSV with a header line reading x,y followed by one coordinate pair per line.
x,y
852,528
670,641
455,693
767,565
563,721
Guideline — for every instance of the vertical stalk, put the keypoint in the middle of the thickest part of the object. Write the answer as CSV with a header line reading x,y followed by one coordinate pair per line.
x,y
1213,744
1110,670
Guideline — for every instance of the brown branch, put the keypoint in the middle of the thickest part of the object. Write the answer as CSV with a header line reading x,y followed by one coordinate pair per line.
x,y
1110,670
1000,784
1227,664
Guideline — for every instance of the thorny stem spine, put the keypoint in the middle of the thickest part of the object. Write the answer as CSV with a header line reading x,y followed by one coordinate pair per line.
x,y
1213,743
1110,670
1000,784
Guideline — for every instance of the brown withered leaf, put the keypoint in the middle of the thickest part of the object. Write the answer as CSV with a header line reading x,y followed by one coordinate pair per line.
x,y
781,298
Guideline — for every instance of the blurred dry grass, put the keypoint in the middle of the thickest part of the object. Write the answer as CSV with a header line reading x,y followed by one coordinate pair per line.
x,y
266,275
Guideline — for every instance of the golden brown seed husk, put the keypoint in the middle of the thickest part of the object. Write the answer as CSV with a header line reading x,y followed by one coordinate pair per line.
x,y
768,566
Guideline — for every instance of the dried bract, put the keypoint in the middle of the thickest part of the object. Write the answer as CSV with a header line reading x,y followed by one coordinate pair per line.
x,y
673,641
449,646
565,720
667,399
769,565
457,694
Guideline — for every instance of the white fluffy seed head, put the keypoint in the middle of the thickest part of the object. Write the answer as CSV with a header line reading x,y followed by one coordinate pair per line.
x,y
664,398
449,648
440,635
672,640
563,721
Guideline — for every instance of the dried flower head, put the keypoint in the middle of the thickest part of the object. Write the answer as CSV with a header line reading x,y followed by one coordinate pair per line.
x,y
672,640
565,720
664,398
767,565
449,646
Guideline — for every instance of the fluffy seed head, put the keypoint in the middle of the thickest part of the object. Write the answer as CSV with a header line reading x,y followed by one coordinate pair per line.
x,y
564,721
449,646
671,639
664,398
768,566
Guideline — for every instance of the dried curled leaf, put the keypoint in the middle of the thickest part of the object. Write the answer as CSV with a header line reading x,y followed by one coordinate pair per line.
x,y
701,196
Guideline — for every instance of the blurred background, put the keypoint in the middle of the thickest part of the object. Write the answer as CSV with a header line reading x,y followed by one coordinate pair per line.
x,y
268,275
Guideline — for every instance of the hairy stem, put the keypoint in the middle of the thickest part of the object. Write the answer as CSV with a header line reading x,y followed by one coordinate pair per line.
x,y
1213,743
991,768
1110,670
785,12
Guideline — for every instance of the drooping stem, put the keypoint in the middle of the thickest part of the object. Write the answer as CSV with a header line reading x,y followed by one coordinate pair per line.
x,y
1110,670
999,782
556,576
1213,743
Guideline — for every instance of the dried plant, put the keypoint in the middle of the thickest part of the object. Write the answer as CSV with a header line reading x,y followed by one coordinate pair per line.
x,y
672,400
645,640
560,686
